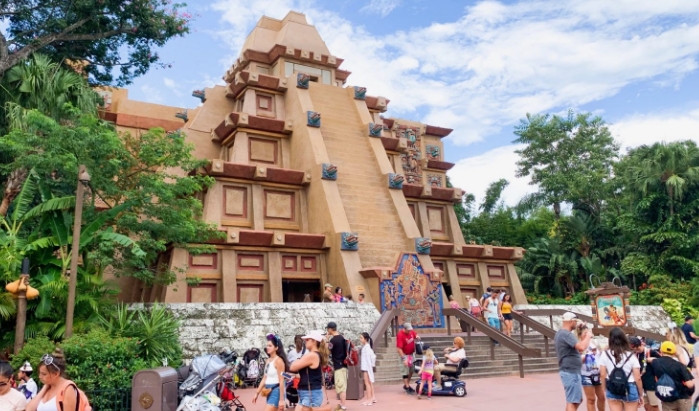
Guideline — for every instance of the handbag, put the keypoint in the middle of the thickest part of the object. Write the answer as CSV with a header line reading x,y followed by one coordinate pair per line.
x,y
265,392
325,407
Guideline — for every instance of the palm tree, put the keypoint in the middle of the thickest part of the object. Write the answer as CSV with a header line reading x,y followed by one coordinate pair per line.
x,y
43,85
547,266
671,167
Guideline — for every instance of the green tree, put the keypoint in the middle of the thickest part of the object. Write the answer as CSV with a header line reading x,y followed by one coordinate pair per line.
x,y
569,159
492,195
98,37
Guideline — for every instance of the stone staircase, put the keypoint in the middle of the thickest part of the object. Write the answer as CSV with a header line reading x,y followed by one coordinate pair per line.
x,y
362,186
478,353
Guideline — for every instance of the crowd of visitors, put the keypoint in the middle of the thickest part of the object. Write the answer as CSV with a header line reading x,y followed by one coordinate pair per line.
x,y
628,374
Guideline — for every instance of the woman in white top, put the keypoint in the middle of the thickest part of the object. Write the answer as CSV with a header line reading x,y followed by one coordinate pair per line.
x,y
297,350
620,355
367,362
52,371
10,399
272,385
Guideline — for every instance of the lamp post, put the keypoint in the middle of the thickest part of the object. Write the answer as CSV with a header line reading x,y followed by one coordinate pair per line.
x,y
83,181
23,292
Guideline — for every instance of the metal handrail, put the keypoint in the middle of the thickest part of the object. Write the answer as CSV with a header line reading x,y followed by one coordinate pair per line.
x,y
536,326
388,319
550,312
495,335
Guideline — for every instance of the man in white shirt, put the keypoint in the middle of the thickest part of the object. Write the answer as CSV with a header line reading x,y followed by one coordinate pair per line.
x,y
27,386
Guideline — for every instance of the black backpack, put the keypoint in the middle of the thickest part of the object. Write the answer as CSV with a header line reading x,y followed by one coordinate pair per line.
x,y
666,390
617,381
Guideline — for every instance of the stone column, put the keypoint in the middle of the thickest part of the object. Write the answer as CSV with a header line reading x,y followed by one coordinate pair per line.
x,y
258,208
423,220
275,276
516,289
178,293
483,277
229,284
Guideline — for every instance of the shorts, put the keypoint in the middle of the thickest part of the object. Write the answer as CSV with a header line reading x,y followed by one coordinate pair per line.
x,y
507,317
591,380
651,399
494,322
340,377
572,384
312,398
274,395
406,370
426,376
631,394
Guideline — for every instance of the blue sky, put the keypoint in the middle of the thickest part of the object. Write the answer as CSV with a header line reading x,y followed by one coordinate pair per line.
x,y
477,66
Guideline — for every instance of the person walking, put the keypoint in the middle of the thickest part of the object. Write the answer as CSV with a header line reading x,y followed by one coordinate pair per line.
x,y
493,311
677,337
568,349
296,351
58,393
273,385
688,330
621,373
405,343
675,384
338,295
328,296
10,399
485,296
27,386
367,364
507,309
338,353
453,303
645,357
310,370
360,301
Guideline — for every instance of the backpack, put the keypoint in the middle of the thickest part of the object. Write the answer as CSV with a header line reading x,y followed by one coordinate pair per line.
x,y
666,390
617,381
352,357
82,404
419,349
253,369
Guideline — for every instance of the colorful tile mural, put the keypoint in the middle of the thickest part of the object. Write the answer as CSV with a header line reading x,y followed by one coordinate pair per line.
x,y
411,289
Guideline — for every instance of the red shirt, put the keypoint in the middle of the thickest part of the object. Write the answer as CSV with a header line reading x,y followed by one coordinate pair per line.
x,y
406,342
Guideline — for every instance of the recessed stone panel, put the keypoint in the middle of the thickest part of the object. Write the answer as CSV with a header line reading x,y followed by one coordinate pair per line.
x,y
235,201
203,261
496,271
251,262
280,205
202,293
263,151
289,263
249,293
466,270
308,264
435,216
468,292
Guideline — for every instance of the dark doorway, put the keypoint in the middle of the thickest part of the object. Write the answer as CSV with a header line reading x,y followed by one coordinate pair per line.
x,y
295,291
447,289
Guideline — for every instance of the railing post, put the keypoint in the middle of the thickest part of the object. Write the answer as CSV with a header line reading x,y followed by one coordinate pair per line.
x,y
521,366
448,324
492,349
521,332
551,321
468,334
546,345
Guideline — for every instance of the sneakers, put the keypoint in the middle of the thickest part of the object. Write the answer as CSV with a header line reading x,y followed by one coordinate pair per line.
x,y
339,408
409,390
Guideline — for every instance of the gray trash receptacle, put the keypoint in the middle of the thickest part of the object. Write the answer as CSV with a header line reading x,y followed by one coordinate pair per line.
x,y
355,383
154,390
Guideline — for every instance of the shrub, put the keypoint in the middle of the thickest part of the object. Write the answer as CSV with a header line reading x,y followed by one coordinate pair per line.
x,y
32,352
576,299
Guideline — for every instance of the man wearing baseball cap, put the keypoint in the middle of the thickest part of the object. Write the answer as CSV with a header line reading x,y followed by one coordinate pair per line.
x,y
405,343
568,350
27,386
676,392
338,353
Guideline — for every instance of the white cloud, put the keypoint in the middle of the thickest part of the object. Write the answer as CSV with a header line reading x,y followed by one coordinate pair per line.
x,y
382,7
152,94
475,174
173,86
641,129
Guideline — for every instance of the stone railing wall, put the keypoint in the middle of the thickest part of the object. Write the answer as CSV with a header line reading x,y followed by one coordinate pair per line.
x,y
644,317
208,328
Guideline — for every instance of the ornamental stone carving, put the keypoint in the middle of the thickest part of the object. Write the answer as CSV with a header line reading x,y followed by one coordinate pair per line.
x,y
329,172
349,242
313,119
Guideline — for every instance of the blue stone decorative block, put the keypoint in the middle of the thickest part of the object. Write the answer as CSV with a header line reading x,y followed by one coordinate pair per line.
x,y
359,93
182,114
313,119
200,94
350,242
303,80
432,152
423,245
395,181
329,172
375,129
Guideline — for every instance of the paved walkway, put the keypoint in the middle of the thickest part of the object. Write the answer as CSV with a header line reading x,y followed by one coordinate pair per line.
x,y
542,392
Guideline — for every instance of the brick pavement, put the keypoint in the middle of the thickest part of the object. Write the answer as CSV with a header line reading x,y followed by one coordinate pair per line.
x,y
541,392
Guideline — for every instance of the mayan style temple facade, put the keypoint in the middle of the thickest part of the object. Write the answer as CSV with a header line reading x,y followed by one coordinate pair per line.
x,y
314,186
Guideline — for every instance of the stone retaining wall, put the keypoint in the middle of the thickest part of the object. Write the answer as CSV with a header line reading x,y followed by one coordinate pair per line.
x,y
643,317
208,328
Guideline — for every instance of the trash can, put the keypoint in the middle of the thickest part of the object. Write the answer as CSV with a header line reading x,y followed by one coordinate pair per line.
x,y
154,390
355,383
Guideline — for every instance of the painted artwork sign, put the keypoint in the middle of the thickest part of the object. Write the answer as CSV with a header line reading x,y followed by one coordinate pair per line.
x,y
610,310
411,290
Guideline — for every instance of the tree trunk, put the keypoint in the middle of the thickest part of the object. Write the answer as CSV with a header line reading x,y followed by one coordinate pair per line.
x,y
14,185
557,210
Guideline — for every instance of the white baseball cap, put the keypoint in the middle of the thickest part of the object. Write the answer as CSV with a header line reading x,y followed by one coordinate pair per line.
x,y
568,316
313,335
26,367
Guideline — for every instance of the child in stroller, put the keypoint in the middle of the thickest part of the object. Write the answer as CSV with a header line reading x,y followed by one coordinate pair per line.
x,y
250,368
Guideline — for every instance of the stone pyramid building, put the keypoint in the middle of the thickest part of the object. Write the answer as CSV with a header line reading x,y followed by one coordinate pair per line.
x,y
314,185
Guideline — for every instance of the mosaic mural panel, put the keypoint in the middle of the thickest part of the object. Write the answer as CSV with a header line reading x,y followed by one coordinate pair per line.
x,y
412,167
413,291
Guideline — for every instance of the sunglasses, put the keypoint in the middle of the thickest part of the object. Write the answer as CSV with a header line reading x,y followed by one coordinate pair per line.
x,y
48,360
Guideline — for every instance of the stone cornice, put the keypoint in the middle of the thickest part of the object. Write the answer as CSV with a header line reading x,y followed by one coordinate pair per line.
x,y
235,120
487,252
452,195
379,104
220,168
437,131
439,165
246,79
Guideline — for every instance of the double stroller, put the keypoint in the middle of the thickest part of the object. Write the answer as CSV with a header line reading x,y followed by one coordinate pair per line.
x,y
208,385
251,369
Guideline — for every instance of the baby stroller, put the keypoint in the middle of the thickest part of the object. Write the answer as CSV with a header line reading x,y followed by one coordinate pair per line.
x,y
329,377
292,392
215,395
251,368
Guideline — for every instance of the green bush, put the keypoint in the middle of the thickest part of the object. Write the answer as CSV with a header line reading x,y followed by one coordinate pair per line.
x,y
659,288
32,351
576,299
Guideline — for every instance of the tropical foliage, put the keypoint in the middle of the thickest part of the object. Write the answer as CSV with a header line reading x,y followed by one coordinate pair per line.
x,y
598,215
